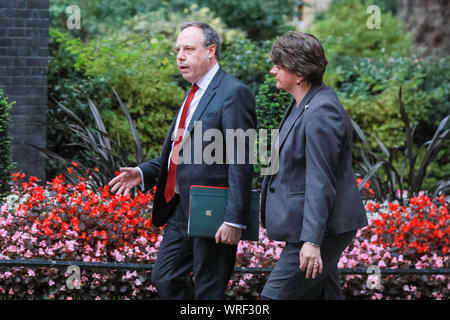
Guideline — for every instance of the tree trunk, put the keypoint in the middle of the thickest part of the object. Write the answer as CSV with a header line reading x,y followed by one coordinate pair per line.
x,y
428,20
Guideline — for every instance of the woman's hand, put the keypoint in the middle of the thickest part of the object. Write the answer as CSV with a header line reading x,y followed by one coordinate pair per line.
x,y
310,260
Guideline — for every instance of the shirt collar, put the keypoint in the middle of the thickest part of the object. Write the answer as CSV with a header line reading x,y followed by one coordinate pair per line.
x,y
204,81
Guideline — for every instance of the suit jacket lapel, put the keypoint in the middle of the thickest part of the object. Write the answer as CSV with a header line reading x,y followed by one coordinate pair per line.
x,y
286,113
287,125
206,98
288,110
203,103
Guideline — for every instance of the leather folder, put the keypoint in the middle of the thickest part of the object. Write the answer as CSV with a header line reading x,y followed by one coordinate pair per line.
x,y
207,207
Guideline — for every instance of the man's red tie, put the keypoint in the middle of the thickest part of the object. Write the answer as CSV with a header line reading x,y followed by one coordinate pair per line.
x,y
169,192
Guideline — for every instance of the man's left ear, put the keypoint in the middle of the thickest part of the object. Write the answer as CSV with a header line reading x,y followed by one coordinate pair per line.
x,y
211,51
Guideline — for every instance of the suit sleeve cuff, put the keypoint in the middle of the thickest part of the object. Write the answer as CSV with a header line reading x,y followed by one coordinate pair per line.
x,y
141,185
240,226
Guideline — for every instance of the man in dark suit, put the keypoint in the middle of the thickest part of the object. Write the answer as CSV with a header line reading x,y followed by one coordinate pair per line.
x,y
311,200
219,102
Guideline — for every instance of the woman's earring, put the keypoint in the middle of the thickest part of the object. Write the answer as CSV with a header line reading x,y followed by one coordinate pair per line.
x,y
298,82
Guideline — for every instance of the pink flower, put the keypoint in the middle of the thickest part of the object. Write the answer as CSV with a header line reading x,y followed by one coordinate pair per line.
x,y
386,255
29,254
269,252
142,240
247,276
351,263
377,296
437,296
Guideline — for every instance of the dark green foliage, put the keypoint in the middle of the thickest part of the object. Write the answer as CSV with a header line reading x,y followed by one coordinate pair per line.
x,y
271,104
100,155
98,17
411,173
261,19
366,68
6,163
72,87
368,90
144,74
390,6
247,60
343,31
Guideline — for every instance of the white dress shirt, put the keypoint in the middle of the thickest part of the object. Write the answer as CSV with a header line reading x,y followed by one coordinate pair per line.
x,y
202,84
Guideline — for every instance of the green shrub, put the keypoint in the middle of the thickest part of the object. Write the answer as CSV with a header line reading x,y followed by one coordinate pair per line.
x,y
72,88
271,104
257,19
261,19
368,90
247,60
98,17
144,73
6,163
166,21
343,31
405,167
101,155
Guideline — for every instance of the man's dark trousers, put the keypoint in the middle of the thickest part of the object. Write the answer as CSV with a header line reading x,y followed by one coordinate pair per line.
x,y
178,255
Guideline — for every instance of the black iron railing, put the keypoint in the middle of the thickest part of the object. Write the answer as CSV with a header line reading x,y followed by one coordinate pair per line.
x,y
237,270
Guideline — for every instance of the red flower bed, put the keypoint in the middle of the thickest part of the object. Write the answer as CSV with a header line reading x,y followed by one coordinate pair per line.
x,y
421,227
64,221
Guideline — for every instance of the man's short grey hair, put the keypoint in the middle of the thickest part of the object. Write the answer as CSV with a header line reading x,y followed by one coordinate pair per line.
x,y
211,35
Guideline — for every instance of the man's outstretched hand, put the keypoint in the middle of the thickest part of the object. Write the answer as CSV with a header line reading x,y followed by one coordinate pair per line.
x,y
127,180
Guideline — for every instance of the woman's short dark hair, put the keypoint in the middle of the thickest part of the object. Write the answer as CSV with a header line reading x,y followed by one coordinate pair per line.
x,y
211,35
302,54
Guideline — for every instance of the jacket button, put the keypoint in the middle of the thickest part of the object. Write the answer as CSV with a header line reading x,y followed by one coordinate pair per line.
x,y
272,190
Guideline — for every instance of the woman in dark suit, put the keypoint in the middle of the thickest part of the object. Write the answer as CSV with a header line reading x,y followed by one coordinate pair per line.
x,y
312,201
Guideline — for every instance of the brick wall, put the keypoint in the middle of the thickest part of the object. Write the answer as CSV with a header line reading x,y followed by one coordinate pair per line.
x,y
23,77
